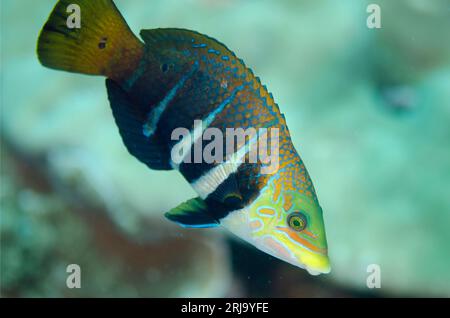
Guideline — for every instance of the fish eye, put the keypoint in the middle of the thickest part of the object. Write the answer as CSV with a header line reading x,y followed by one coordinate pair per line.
x,y
297,221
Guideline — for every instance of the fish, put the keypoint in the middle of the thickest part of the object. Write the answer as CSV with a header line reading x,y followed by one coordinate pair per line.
x,y
173,79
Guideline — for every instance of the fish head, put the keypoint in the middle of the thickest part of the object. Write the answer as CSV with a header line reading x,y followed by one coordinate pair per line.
x,y
288,226
298,235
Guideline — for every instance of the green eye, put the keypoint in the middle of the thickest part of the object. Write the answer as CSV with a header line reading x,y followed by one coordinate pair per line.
x,y
297,221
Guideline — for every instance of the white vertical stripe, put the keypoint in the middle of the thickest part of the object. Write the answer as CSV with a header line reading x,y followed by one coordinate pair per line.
x,y
195,134
154,116
209,182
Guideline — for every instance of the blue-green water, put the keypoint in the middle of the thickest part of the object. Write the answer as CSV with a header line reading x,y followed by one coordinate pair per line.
x,y
368,111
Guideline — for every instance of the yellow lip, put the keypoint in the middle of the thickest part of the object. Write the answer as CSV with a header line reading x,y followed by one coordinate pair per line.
x,y
314,263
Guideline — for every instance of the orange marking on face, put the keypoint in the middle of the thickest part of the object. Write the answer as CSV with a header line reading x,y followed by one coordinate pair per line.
x,y
287,202
277,191
256,224
310,234
277,247
267,211
297,238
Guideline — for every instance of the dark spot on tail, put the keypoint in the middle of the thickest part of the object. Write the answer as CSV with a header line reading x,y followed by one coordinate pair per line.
x,y
102,43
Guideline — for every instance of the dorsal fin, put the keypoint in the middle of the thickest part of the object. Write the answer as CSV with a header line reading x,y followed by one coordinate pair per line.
x,y
159,35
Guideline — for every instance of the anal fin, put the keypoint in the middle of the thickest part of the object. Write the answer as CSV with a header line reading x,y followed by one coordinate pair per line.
x,y
147,150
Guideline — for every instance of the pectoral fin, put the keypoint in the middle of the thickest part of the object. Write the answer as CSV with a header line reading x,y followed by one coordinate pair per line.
x,y
192,213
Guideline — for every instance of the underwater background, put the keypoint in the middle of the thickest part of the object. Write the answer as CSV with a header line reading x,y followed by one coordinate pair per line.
x,y
368,111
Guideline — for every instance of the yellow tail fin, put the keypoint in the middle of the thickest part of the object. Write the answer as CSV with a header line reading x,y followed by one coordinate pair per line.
x,y
89,37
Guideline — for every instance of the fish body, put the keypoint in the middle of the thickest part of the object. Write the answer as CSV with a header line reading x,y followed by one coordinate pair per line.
x,y
181,80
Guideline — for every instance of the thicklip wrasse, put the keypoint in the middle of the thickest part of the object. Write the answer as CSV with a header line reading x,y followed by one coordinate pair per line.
x,y
172,79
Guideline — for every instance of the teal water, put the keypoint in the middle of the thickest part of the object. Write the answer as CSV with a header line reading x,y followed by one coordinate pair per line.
x,y
368,111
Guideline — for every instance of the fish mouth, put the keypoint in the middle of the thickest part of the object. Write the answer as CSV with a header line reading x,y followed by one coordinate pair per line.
x,y
318,271
315,264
